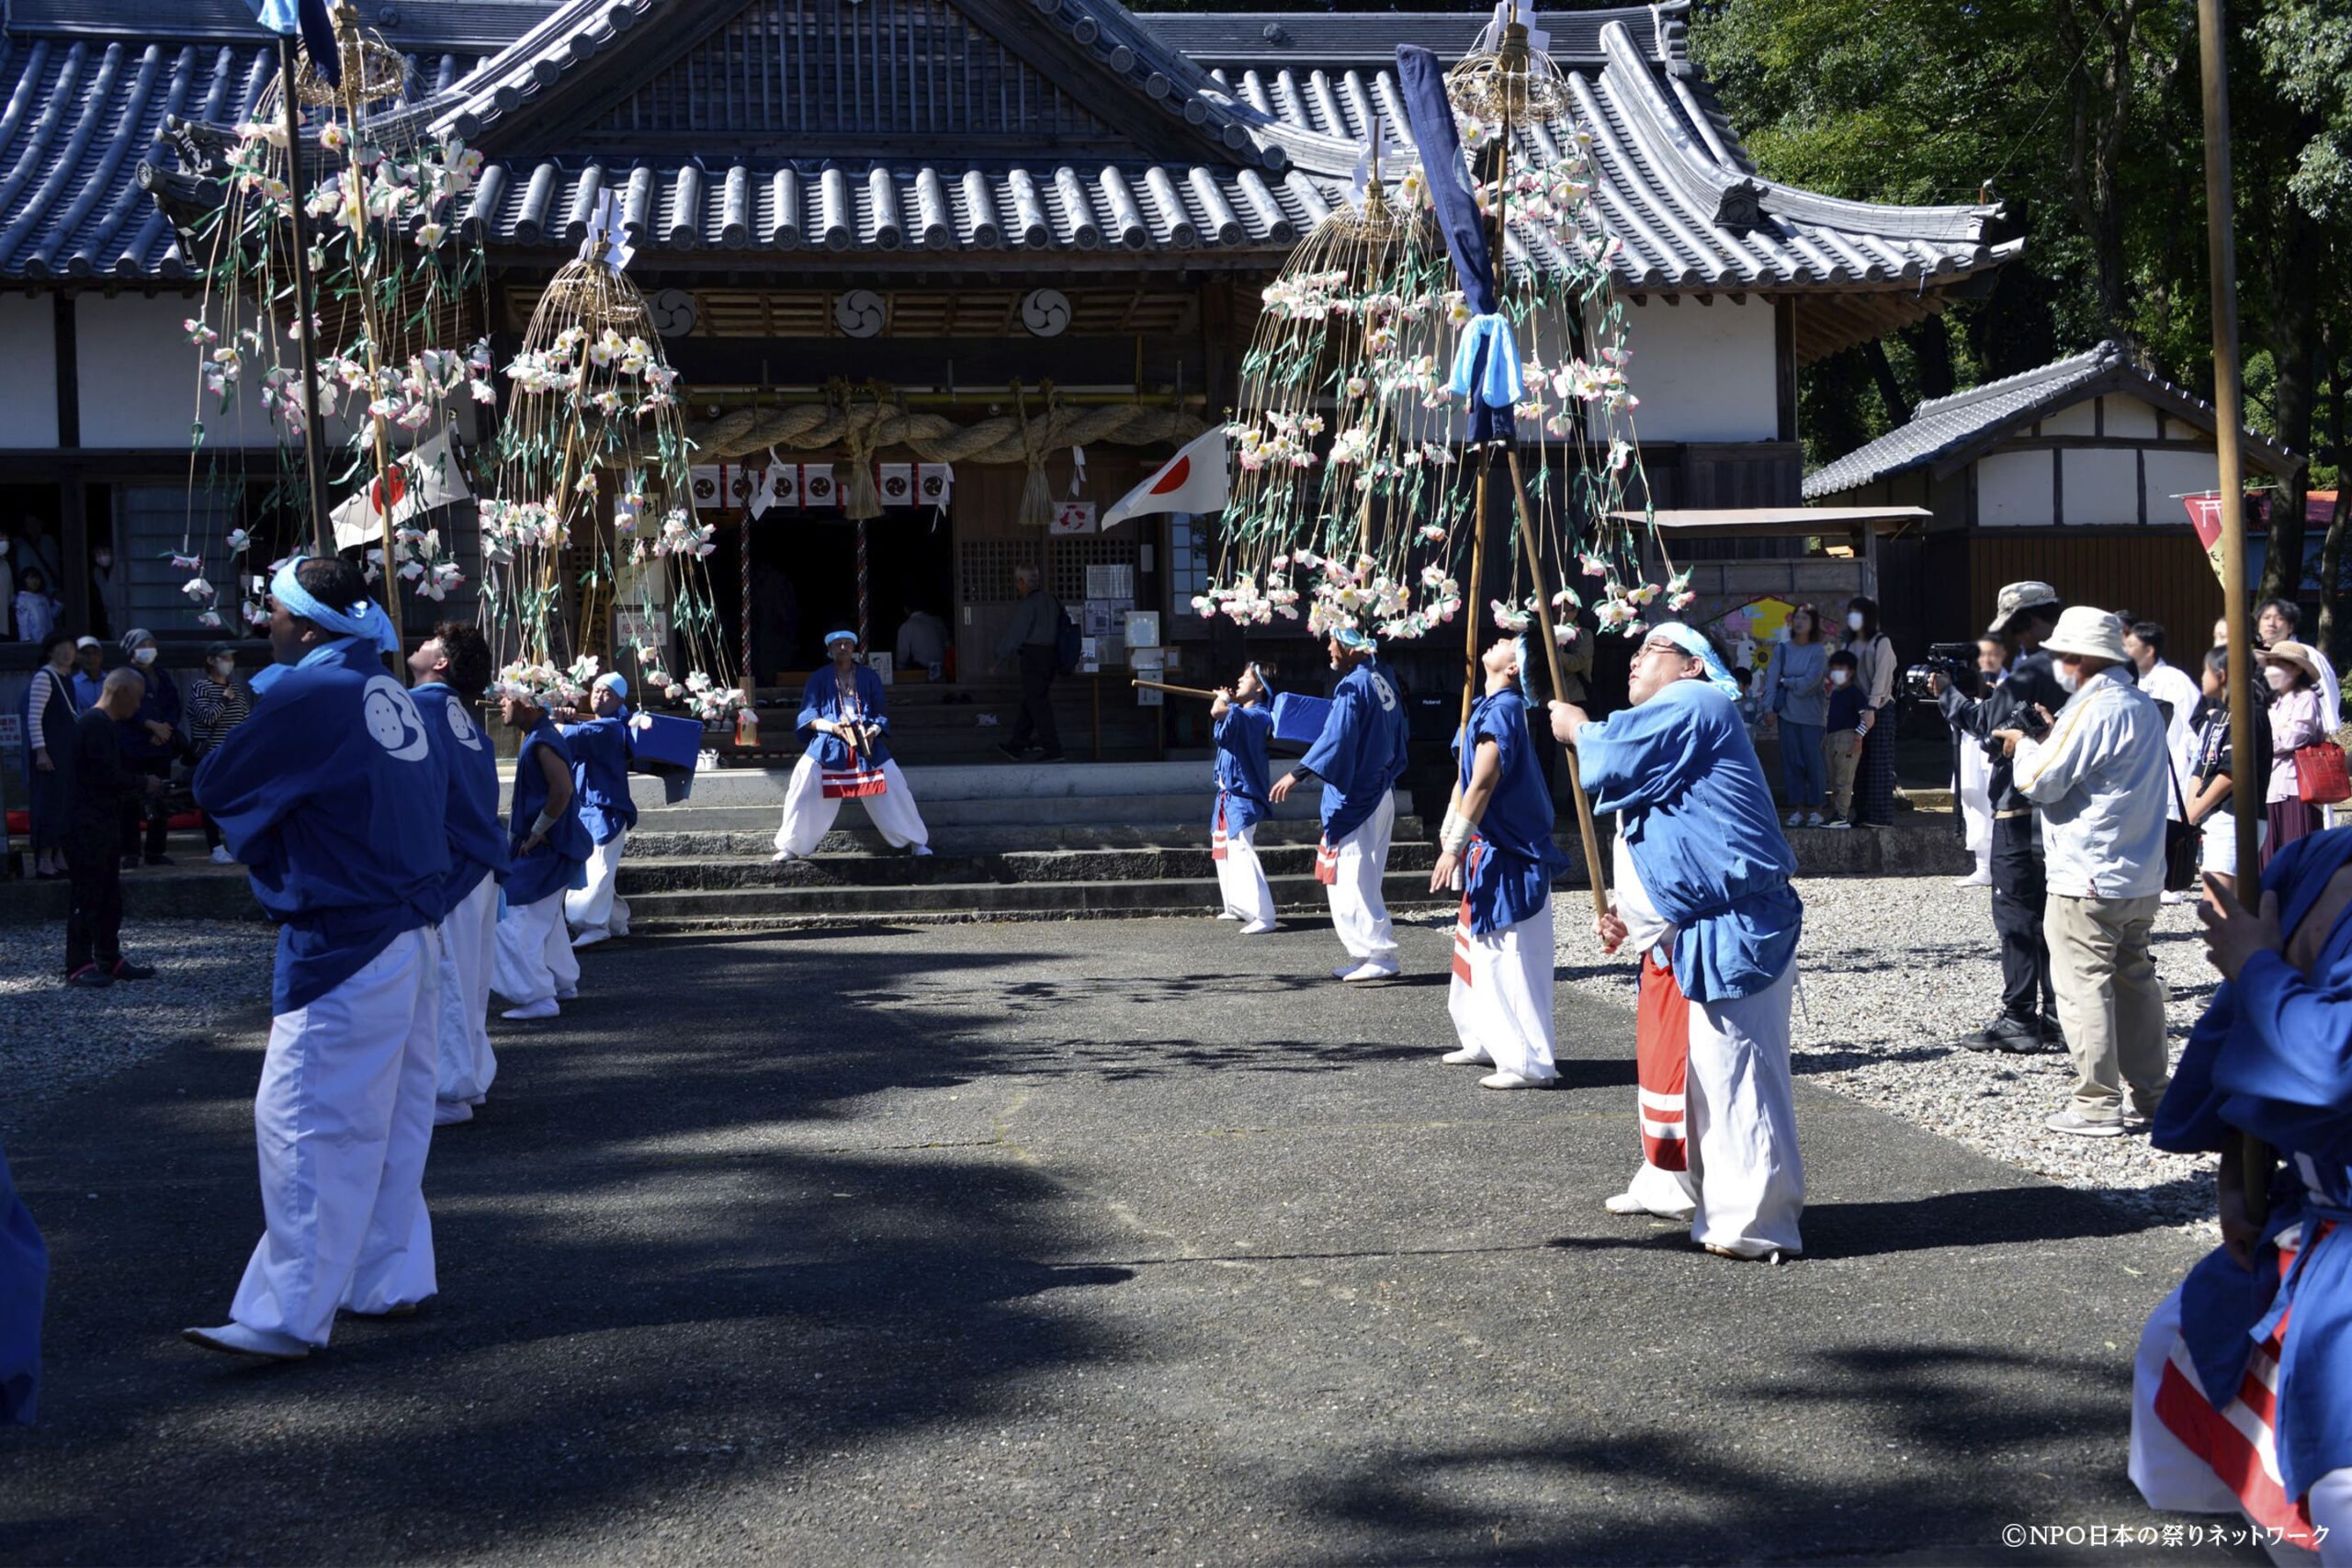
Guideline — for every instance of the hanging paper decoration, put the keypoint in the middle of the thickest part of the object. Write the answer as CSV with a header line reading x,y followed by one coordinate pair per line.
x,y
817,490
897,483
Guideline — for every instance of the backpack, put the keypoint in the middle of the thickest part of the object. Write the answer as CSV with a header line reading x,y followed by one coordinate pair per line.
x,y
1069,646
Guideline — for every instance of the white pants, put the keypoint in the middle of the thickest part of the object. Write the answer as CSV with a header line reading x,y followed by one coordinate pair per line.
x,y
2175,1478
2219,836
598,906
344,1120
809,816
1360,860
1971,790
1501,999
1745,1186
469,956
535,957
1242,878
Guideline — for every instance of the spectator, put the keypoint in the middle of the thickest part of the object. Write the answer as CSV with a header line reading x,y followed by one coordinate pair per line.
x,y
922,643
1032,640
1972,772
2212,792
2100,780
217,704
2292,671
104,788
110,589
1843,746
1874,678
89,671
1796,703
2279,620
2022,617
2177,698
152,742
49,714
37,607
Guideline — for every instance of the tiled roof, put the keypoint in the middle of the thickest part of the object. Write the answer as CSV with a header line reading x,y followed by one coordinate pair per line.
x,y
470,26
1946,431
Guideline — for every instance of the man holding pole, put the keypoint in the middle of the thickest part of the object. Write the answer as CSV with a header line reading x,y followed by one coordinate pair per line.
x,y
1243,724
450,671
843,725
1359,757
1498,834
1703,893
600,750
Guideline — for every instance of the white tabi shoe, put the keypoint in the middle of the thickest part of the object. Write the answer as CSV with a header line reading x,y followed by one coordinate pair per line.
x,y
591,937
1625,1204
1228,915
922,851
544,1008
1514,1081
1467,1056
1795,820
1256,928
1367,970
236,1339
449,1112
781,856
1972,880
220,856
571,994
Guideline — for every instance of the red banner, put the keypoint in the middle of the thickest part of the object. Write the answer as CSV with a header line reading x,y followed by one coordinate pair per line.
x,y
2205,516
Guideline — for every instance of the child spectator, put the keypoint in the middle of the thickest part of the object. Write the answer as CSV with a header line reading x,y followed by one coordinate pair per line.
x,y
2212,779
36,606
1842,745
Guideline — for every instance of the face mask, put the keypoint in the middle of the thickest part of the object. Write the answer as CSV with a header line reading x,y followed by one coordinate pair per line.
x,y
104,558
3,547
1836,677
2069,678
145,656
221,667
1854,619
2280,676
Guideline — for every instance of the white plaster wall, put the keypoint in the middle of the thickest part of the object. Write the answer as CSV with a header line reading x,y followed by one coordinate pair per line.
x,y
2013,488
138,373
1704,372
2130,419
2174,474
28,392
2102,486
2075,419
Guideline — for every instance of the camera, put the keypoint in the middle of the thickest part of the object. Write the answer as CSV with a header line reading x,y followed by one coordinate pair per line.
x,y
1955,662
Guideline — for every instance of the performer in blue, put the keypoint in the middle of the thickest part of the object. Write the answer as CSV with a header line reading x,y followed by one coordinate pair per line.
x,y
548,849
24,1283
1244,720
451,669
846,725
1360,756
1702,876
600,753
2241,1395
331,792
1497,835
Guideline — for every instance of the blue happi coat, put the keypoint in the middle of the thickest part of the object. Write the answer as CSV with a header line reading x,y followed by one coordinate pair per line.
x,y
1515,860
24,1283
1361,753
559,861
600,752
824,698
477,838
1681,775
1241,736
2272,1056
332,796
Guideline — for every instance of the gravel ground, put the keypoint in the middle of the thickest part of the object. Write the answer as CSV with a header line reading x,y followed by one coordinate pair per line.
x,y
1892,970
56,1038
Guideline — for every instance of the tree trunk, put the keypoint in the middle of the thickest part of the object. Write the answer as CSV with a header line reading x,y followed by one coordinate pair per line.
x,y
2331,550
1890,390
2293,321
1930,345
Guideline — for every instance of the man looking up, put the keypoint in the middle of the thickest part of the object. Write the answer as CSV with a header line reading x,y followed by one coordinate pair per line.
x,y
1703,890
451,669
1497,832
333,795
546,846
1359,757
600,750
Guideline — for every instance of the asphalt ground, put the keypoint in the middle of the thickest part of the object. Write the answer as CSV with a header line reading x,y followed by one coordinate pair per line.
x,y
1108,1242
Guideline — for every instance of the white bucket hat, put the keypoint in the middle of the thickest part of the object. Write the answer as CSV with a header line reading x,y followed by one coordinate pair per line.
x,y
2300,655
2087,633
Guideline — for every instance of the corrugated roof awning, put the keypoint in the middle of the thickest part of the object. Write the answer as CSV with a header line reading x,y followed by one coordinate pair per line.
x,y
1780,521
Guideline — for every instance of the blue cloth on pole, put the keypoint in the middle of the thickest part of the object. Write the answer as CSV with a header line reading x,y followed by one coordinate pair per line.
x,y
332,796
600,750
559,861
477,838
1486,364
24,1286
1420,76
1361,753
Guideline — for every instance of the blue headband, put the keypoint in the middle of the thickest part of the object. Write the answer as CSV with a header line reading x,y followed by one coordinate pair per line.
x,y
832,637
616,681
1696,645
1352,639
365,619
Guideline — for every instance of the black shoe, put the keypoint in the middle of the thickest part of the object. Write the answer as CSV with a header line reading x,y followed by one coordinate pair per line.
x,y
1986,1038
124,969
159,860
1011,753
90,978
2022,1039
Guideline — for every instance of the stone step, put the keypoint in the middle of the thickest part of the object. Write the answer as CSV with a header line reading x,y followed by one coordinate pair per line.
x,y
784,907
983,781
664,838
1160,813
951,869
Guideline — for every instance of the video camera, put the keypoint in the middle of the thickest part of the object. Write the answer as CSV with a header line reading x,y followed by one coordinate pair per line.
x,y
1955,662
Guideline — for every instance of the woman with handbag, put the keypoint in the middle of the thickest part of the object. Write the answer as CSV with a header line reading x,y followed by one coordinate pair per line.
x,y
2212,772
1874,656
2297,726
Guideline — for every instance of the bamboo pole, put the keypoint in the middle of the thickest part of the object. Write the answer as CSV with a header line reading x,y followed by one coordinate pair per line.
x,y
1471,588
1587,833
2221,252
305,305
1180,690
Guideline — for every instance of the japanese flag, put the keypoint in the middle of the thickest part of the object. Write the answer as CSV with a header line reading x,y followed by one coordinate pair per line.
x,y
1193,481
417,482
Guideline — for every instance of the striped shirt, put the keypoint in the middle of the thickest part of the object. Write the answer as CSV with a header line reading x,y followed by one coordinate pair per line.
x,y
214,709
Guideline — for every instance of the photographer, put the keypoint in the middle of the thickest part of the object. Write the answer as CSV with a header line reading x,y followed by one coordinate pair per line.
x,y
2023,615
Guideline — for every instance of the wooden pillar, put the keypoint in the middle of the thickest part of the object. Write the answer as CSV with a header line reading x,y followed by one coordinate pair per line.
x,y
73,495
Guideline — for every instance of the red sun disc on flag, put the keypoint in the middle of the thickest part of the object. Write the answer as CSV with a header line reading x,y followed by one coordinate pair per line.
x,y
1178,472
396,484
